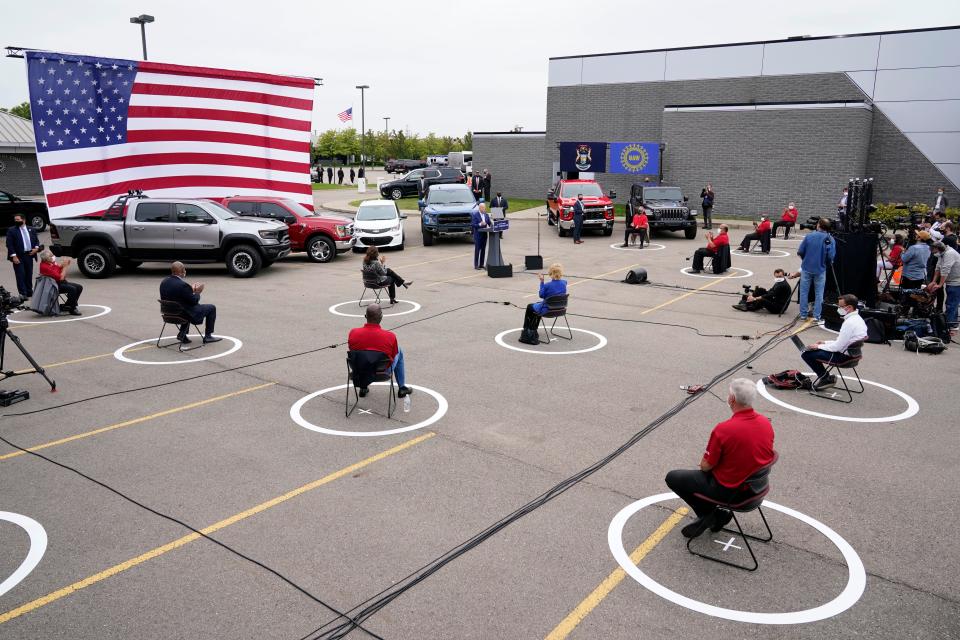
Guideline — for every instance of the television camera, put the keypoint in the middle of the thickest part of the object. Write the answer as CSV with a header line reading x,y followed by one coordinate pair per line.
x,y
10,303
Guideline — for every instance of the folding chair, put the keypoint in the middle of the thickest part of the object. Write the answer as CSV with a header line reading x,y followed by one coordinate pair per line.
x,y
759,484
364,367
719,262
854,355
173,313
373,285
556,309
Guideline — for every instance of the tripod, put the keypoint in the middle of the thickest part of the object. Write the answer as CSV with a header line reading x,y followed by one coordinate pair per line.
x,y
6,332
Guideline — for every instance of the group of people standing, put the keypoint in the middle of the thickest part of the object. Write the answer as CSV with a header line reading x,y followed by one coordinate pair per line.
x,y
360,172
481,185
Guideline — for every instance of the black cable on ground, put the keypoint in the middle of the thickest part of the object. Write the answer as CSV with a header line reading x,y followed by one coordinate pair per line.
x,y
377,602
189,528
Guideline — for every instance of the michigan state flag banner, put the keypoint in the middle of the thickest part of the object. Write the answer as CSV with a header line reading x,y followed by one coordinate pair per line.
x,y
583,156
637,158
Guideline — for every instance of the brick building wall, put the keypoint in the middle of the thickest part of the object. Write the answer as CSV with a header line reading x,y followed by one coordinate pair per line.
x,y
516,161
20,174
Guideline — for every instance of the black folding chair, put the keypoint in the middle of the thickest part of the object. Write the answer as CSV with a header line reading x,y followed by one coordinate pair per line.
x,y
374,285
173,312
759,486
364,367
854,355
763,241
556,309
720,261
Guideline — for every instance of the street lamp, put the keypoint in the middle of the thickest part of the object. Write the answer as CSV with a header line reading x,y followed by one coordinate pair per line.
x,y
142,20
386,123
363,129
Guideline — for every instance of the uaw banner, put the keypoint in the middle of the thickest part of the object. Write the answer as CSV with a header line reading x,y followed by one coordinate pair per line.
x,y
637,158
583,156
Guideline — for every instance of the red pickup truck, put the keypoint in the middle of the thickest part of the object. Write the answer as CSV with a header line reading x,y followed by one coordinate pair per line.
x,y
321,236
598,208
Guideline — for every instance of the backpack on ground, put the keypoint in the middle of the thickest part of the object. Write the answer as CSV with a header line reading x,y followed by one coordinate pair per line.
x,y
918,344
789,379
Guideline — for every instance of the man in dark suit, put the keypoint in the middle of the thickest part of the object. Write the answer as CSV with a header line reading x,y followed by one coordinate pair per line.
x,y
340,175
329,175
476,185
487,182
501,202
22,249
479,221
176,289
578,211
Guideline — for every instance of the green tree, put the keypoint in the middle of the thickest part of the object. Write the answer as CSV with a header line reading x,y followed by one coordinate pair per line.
x,y
22,110
467,143
327,143
348,142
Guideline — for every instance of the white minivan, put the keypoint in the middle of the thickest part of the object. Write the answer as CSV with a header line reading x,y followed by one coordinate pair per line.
x,y
378,223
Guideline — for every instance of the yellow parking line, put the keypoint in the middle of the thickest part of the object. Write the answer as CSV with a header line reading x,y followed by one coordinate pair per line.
x,y
575,617
130,423
417,264
86,359
682,296
179,542
475,275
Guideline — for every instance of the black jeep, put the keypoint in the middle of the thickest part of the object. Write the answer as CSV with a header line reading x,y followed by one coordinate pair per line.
x,y
666,209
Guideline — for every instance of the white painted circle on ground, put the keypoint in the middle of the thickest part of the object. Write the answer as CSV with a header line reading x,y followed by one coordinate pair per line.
x,y
118,354
300,420
602,342
415,307
856,576
912,406
712,276
103,311
650,246
38,545
752,254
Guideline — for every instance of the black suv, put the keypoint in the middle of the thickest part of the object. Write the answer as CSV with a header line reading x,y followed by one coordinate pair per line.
x,y
666,209
401,165
34,212
409,185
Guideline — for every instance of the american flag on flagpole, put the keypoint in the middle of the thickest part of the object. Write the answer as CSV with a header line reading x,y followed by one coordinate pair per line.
x,y
346,115
104,126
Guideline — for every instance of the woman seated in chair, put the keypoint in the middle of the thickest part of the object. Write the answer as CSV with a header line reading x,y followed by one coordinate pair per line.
x,y
51,268
374,270
531,320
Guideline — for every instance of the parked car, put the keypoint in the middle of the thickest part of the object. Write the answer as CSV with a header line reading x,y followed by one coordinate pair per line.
x,y
136,229
378,223
322,236
445,212
598,214
402,165
666,209
33,211
409,185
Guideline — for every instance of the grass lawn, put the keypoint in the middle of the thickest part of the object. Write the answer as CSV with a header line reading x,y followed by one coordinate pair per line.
x,y
516,204
324,186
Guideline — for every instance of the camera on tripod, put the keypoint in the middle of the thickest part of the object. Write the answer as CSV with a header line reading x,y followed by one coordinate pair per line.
x,y
8,304
810,224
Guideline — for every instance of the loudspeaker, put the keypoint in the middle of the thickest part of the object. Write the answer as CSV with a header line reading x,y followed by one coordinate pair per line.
x,y
856,266
636,276
501,271
533,262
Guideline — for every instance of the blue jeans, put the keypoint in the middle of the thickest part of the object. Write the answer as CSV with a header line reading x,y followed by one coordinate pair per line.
x,y
819,282
397,369
952,304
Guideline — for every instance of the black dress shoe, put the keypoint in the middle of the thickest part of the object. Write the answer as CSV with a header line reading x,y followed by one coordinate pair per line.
x,y
75,312
721,520
209,338
404,391
697,527
182,337
407,284
363,392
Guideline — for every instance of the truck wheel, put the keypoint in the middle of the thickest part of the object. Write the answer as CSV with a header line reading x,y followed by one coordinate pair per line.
x,y
427,237
96,261
37,222
321,249
608,231
396,193
128,265
560,230
690,233
243,261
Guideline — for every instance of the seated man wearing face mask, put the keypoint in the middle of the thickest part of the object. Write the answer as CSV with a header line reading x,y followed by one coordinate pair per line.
x,y
853,330
774,300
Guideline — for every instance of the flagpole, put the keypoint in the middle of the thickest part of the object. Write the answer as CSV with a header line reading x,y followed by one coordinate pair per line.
x,y
363,129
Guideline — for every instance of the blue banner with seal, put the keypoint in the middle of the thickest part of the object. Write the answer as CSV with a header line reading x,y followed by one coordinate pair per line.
x,y
583,156
636,158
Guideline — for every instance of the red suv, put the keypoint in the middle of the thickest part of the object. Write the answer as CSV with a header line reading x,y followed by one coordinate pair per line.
x,y
321,236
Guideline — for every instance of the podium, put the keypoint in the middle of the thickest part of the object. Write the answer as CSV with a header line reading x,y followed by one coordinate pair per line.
x,y
495,266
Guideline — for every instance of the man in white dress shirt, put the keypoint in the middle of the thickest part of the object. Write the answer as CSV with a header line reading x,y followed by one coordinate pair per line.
x,y
854,329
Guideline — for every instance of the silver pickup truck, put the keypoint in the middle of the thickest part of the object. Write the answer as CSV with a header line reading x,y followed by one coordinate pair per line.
x,y
137,229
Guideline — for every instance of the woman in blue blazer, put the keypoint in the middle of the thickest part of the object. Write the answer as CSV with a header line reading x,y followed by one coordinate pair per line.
x,y
555,286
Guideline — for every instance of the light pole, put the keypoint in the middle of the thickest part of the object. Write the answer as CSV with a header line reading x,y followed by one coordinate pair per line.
x,y
363,129
386,125
142,20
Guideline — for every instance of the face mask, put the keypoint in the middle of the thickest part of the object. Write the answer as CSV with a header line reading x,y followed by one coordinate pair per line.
x,y
20,224
781,279
842,311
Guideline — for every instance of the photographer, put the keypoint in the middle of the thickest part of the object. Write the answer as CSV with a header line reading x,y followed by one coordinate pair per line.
x,y
775,300
817,250
891,260
915,263
50,268
707,205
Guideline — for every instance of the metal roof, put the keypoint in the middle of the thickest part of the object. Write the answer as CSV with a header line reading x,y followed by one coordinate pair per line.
x,y
16,134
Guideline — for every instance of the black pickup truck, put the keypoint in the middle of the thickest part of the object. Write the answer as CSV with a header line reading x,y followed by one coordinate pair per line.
x,y
33,211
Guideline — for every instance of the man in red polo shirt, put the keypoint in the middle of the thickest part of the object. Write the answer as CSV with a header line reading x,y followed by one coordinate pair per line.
x,y
787,220
372,337
737,449
714,242
760,228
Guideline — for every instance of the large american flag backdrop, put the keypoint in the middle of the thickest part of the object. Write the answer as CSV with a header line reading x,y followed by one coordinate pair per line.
x,y
105,126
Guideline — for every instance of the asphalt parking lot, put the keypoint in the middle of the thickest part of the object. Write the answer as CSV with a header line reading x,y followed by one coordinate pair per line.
x,y
310,520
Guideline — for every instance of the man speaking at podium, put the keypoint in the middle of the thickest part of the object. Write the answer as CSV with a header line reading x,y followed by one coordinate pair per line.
x,y
480,223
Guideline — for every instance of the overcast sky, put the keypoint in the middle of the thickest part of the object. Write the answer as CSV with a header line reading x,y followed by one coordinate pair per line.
x,y
440,66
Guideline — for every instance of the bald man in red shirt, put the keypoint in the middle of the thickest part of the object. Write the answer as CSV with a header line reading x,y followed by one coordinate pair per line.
x,y
737,449
373,337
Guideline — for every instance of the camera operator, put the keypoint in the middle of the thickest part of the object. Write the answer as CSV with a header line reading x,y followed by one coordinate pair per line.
x,y
50,268
817,249
915,262
774,300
